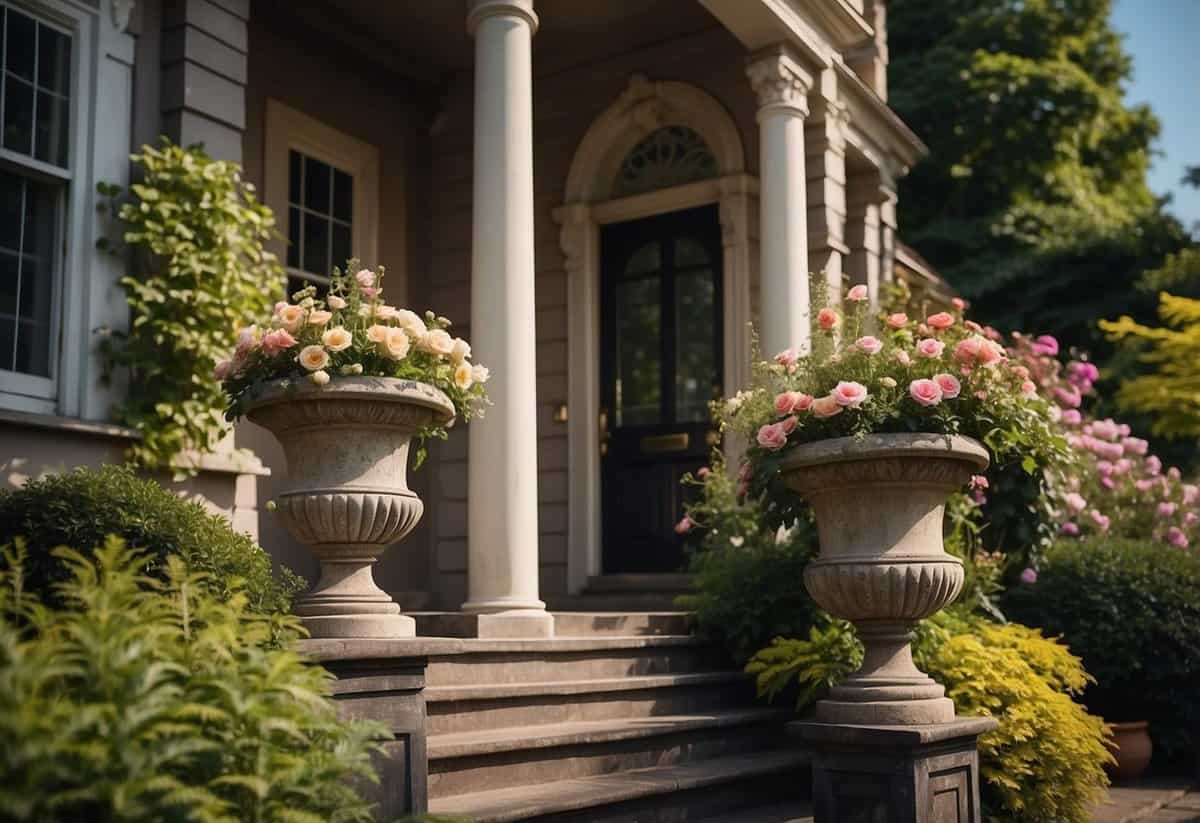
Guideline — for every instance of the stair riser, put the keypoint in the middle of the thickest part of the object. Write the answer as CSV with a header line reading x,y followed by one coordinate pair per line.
x,y
687,806
532,667
476,715
459,775
583,624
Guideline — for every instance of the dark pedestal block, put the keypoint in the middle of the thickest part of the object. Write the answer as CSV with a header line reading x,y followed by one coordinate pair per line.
x,y
895,774
384,680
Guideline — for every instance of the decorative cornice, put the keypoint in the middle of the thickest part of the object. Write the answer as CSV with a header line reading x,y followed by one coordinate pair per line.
x,y
479,10
779,81
122,11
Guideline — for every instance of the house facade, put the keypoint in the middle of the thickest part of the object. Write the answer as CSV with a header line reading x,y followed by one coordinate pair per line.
x,y
601,196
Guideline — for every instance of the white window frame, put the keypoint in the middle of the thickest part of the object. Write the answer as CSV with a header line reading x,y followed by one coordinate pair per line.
x,y
288,129
28,392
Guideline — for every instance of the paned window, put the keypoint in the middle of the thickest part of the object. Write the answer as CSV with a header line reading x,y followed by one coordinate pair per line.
x,y
34,174
669,156
320,219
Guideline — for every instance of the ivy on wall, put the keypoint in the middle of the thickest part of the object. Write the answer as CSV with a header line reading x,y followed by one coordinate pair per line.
x,y
196,234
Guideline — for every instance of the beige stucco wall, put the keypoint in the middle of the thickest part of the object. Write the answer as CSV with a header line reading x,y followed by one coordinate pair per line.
x,y
326,81
565,104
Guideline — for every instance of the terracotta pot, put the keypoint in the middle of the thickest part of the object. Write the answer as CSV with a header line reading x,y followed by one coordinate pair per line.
x,y
1132,747
879,502
347,494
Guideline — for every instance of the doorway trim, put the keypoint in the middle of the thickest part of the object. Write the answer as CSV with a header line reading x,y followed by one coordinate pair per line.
x,y
642,108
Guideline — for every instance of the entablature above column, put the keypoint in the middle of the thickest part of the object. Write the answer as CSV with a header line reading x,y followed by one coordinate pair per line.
x,y
819,29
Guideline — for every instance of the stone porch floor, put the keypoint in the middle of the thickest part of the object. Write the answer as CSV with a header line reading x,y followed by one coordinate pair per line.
x,y
1159,799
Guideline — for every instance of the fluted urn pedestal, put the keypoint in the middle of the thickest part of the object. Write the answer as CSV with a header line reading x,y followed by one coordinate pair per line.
x,y
347,494
879,504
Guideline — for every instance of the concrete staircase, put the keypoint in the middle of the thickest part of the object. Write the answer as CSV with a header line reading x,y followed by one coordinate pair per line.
x,y
621,717
626,593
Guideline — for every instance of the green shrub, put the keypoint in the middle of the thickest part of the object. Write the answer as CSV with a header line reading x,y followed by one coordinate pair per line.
x,y
1044,764
147,700
82,507
1131,610
748,574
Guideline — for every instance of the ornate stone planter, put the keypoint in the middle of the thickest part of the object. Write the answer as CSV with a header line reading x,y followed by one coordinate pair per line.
x,y
347,496
879,502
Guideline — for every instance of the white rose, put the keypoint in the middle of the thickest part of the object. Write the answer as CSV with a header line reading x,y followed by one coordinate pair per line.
x,y
396,344
320,377
337,339
314,358
385,312
317,317
413,325
463,376
460,351
377,334
291,318
480,374
336,302
437,342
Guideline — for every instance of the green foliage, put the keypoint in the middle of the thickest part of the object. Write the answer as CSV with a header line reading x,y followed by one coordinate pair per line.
x,y
745,565
1044,764
1170,391
1129,609
198,236
82,507
830,653
1033,200
145,700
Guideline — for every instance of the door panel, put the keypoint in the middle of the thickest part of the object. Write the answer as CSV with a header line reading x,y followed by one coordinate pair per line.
x,y
660,368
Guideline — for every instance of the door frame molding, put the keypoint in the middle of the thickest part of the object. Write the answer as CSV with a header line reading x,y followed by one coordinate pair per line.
x,y
642,108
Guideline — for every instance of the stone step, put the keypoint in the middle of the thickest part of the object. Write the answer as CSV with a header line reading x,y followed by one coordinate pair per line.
x,y
455,709
660,794
575,623
490,662
797,811
494,758
616,601
674,583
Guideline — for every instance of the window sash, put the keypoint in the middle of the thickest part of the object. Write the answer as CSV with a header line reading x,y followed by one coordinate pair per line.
x,y
30,159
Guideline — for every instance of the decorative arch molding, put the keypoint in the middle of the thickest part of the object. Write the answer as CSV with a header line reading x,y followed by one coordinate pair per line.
x,y
643,108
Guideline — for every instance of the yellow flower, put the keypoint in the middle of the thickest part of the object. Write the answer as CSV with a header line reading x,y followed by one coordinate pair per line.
x,y
314,358
337,339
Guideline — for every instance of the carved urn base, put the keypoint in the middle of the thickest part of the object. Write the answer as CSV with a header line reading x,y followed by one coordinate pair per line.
x,y
347,495
879,502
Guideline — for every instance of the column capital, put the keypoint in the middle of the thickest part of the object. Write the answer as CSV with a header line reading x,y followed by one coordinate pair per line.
x,y
779,80
478,10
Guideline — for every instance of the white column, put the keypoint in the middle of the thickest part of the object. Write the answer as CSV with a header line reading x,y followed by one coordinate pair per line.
x,y
862,232
502,553
782,86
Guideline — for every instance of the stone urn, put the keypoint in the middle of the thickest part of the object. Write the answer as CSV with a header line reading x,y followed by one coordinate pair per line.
x,y
347,494
879,502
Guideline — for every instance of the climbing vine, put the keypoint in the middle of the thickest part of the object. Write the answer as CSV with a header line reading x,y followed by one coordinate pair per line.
x,y
196,236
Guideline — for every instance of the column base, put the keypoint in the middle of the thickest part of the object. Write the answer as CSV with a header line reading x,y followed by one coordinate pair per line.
x,y
895,774
529,624
373,626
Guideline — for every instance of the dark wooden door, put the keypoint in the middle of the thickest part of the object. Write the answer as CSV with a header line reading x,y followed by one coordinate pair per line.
x,y
660,369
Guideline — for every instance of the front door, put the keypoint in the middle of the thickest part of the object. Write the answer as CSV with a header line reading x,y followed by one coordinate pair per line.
x,y
660,369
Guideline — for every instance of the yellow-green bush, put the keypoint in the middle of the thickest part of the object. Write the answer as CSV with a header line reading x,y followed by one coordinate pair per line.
x,y
1045,764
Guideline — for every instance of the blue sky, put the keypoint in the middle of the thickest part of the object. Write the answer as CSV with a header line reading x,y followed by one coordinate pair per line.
x,y
1163,37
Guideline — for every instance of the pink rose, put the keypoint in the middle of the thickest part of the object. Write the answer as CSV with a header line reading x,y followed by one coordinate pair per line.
x,y
788,425
978,481
1190,494
277,341
684,526
849,394
1068,398
1104,429
1101,521
1190,519
1166,509
1069,528
949,385
1029,577
222,369
280,306
369,291
857,294
1177,538
1144,485
869,344
247,340
1135,445
902,358
1072,417
1021,372
940,321
787,357
365,278
1045,345
928,347
926,392
703,472
1029,389
828,319
1153,465
826,406
959,303
784,403
898,320
1075,501
1173,474
971,325
772,437
803,402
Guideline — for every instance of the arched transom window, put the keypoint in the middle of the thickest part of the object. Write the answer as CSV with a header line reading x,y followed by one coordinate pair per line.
x,y
668,156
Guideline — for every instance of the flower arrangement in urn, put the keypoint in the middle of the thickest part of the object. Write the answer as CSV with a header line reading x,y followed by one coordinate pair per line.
x,y
345,384
875,430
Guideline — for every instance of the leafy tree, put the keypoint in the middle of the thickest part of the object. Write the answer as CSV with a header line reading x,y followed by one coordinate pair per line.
x,y
1034,200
